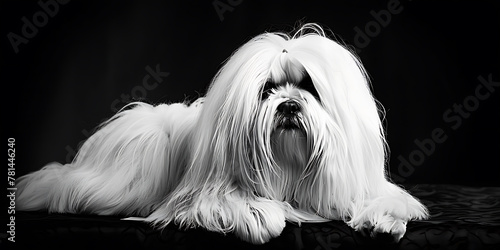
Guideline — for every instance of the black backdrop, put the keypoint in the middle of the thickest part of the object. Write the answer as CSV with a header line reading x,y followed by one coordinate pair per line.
x,y
434,66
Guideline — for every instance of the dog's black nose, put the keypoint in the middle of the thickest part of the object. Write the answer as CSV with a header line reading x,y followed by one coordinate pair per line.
x,y
288,107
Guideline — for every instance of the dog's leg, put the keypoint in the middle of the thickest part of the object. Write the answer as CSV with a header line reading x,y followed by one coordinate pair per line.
x,y
258,220
250,218
387,212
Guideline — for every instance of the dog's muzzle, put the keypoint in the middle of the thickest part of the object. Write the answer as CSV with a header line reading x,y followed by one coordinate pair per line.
x,y
288,115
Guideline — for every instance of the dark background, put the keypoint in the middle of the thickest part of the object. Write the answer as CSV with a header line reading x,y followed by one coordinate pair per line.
x,y
428,57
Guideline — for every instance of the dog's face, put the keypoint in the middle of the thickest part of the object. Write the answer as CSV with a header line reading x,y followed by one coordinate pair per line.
x,y
283,112
286,124
288,101
288,114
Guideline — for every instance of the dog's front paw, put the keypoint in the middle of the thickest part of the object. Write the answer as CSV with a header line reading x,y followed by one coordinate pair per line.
x,y
261,225
385,224
261,234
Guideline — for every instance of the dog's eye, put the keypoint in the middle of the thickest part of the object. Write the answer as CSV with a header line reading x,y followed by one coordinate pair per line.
x,y
307,85
266,89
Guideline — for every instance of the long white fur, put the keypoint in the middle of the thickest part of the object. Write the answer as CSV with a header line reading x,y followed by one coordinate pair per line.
x,y
121,168
224,164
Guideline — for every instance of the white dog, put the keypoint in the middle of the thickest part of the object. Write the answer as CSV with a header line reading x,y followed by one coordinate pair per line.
x,y
288,131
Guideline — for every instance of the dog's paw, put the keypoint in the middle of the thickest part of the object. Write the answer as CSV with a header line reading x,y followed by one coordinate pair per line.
x,y
261,225
385,225
261,235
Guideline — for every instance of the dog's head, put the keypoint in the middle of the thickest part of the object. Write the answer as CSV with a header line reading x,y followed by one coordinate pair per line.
x,y
286,110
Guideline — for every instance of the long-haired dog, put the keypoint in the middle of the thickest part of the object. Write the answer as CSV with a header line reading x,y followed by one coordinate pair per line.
x,y
288,131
